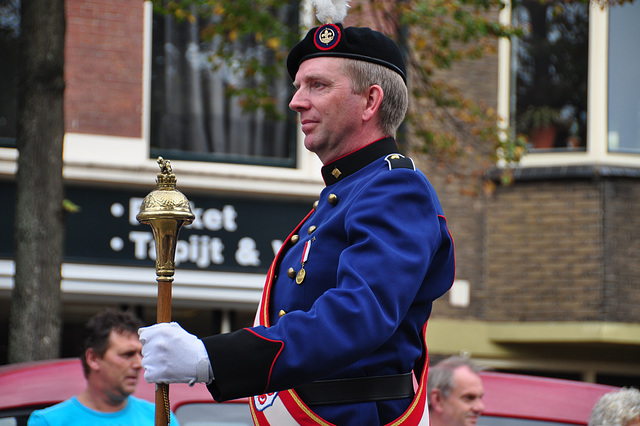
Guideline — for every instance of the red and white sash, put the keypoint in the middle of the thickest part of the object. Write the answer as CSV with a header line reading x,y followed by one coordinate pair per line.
x,y
285,408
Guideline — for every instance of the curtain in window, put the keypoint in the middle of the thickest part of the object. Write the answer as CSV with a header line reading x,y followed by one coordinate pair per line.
x,y
191,111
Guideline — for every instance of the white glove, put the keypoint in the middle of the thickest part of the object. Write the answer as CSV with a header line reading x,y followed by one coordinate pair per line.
x,y
171,355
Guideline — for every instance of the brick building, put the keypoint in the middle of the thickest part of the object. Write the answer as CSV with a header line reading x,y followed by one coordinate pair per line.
x,y
546,267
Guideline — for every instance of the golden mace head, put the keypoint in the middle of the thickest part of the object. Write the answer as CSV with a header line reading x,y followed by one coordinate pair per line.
x,y
165,201
166,209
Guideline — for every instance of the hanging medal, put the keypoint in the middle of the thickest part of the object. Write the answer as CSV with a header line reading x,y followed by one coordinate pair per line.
x,y
305,255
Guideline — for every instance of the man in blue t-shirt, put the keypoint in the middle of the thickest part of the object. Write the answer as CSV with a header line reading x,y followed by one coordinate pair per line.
x,y
112,363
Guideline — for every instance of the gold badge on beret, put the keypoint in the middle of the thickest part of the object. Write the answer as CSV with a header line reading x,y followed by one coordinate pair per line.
x,y
327,37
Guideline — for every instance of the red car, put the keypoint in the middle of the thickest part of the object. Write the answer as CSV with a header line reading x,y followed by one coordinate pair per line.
x,y
510,399
538,400
29,386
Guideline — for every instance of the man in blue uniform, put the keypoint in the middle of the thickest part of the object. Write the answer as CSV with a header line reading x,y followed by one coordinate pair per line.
x,y
340,332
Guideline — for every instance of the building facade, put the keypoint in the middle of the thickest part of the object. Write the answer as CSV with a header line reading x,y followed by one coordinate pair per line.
x,y
546,266
243,211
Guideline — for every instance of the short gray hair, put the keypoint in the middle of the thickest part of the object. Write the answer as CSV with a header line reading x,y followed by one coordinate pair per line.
x,y
441,375
396,96
616,408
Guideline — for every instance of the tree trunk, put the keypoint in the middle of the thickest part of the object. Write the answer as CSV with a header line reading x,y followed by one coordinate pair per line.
x,y
34,327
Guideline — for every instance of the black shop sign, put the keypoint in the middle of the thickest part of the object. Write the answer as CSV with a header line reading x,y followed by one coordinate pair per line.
x,y
228,234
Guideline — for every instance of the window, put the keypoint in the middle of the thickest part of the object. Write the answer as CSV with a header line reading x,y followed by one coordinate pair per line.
x,y
550,61
624,68
9,33
215,414
192,117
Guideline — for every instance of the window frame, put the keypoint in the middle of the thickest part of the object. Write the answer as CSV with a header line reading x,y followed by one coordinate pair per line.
x,y
302,179
597,152
240,147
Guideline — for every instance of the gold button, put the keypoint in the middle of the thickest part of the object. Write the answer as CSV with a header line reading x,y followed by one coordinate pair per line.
x,y
295,238
312,228
315,204
291,273
281,313
333,199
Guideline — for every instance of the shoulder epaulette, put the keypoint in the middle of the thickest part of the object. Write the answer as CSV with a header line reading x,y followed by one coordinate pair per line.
x,y
399,161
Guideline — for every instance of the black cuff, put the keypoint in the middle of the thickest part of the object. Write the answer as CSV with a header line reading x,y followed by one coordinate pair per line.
x,y
242,362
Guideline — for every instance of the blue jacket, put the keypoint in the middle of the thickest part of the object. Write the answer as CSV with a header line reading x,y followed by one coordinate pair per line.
x,y
378,253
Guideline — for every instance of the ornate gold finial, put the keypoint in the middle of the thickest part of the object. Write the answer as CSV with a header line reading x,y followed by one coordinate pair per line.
x,y
166,209
165,166
166,178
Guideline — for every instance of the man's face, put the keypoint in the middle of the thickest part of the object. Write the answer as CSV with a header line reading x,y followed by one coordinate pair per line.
x,y
634,422
117,371
464,405
330,113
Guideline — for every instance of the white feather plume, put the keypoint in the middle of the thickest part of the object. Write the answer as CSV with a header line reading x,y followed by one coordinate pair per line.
x,y
331,11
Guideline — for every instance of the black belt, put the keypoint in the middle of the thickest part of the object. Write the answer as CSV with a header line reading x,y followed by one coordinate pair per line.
x,y
358,389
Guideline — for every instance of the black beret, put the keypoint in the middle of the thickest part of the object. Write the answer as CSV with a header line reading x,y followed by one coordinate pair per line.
x,y
363,44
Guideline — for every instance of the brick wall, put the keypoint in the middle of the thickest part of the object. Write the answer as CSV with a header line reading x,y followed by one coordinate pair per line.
x,y
465,217
546,249
478,81
103,73
621,199
544,252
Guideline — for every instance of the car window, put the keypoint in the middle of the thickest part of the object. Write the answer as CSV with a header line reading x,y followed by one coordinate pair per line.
x,y
506,421
16,417
214,415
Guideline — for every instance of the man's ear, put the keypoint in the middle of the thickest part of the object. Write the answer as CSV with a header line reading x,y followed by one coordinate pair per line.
x,y
435,400
373,100
92,359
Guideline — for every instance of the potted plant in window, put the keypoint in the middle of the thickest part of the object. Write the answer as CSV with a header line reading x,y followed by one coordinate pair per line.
x,y
540,123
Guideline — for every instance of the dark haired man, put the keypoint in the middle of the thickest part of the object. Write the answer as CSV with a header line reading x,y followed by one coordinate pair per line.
x,y
111,359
